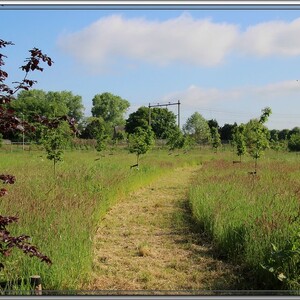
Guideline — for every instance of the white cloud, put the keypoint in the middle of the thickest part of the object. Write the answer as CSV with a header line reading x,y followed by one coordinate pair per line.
x,y
181,39
271,38
184,39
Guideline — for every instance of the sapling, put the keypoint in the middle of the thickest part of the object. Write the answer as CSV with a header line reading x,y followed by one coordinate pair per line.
x,y
101,139
176,139
55,140
140,142
257,139
239,141
215,139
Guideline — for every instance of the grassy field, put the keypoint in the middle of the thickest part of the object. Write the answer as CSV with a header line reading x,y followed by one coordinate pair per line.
x,y
253,220
61,213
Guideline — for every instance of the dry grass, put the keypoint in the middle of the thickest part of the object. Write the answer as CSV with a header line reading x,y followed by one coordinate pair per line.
x,y
145,243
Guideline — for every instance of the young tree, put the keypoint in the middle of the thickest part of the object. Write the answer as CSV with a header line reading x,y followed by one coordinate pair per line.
x,y
55,140
257,136
215,138
101,139
176,139
140,142
10,122
239,140
196,126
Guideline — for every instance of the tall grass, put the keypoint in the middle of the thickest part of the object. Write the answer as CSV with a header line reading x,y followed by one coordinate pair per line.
x,y
245,214
61,214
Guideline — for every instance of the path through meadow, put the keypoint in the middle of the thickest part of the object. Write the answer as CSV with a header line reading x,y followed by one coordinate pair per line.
x,y
146,243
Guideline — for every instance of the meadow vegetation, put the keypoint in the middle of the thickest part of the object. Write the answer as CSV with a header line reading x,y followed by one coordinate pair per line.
x,y
61,213
252,220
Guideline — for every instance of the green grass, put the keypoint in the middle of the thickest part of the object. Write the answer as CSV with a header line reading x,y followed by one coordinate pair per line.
x,y
61,214
244,214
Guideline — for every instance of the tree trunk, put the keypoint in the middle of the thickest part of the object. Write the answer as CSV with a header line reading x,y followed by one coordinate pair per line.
x,y
54,167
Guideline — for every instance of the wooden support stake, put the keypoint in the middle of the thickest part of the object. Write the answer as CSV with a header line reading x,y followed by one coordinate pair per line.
x,y
36,284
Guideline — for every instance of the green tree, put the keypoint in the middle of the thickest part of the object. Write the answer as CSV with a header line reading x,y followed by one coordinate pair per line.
x,y
284,134
239,140
55,140
213,123
197,127
94,126
215,138
257,135
65,103
110,108
295,130
274,141
32,103
51,104
139,118
294,142
226,131
274,134
176,140
101,138
163,121
140,142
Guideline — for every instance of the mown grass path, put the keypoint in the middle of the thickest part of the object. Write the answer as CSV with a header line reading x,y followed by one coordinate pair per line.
x,y
146,243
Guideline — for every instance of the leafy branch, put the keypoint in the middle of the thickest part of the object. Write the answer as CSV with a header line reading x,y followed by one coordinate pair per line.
x,y
10,122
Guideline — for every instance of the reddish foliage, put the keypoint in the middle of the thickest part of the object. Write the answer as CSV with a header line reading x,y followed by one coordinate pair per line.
x,y
10,122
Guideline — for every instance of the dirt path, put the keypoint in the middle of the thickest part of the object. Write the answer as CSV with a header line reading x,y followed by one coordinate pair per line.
x,y
146,243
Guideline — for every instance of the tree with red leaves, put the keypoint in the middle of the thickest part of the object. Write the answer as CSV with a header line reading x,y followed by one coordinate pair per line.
x,y
10,122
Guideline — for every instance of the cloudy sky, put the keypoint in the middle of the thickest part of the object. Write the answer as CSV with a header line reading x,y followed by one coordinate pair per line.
x,y
226,64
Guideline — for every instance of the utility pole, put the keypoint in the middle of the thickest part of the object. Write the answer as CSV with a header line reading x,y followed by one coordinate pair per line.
x,y
23,137
166,105
178,107
149,115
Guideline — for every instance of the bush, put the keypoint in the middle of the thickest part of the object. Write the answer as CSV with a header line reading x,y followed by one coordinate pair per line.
x,y
294,142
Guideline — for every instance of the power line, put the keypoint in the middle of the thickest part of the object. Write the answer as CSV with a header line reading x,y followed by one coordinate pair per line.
x,y
238,113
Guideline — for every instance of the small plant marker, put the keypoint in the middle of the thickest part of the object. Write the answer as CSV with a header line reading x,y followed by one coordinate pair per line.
x,y
36,284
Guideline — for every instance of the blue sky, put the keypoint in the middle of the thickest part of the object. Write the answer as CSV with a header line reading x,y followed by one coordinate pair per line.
x,y
225,64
